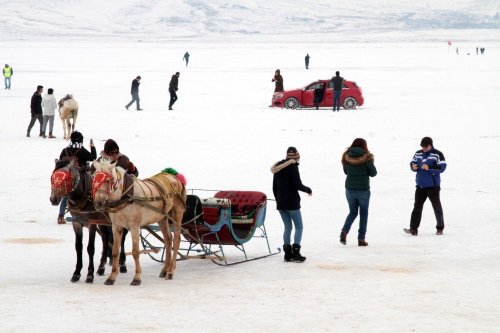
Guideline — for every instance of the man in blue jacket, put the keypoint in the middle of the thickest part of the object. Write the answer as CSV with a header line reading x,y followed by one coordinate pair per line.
x,y
428,163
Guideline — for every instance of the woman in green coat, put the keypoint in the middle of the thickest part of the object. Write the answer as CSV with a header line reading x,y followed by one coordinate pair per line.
x,y
358,165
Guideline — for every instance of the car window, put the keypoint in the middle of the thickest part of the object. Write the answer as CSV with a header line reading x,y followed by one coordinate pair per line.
x,y
330,84
316,85
344,86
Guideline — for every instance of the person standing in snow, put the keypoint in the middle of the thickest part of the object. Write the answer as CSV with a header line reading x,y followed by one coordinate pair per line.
x,y
358,165
36,110
49,105
186,58
173,86
286,187
134,91
7,74
278,80
338,82
428,163
307,61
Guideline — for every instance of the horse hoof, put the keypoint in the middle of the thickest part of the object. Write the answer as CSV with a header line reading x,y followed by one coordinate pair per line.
x,y
163,274
89,279
75,278
109,282
123,269
100,271
135,282
170,276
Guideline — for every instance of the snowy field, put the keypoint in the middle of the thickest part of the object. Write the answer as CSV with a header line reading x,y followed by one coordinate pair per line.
x,y
222,135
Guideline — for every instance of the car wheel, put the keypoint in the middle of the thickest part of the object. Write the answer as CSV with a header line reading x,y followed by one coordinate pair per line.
x,y
291,103
350,103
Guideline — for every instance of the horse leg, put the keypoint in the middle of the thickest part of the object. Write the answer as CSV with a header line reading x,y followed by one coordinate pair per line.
x,y
77,228
68,127
104,231
75,115
117,234
91,250
177,241
123,257
135,253
167,239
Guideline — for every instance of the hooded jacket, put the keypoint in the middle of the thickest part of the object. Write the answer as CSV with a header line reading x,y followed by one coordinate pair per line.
x,y
359,167
437,164
287,184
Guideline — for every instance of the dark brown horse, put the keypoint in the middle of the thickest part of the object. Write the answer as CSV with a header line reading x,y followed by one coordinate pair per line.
x,y
75,184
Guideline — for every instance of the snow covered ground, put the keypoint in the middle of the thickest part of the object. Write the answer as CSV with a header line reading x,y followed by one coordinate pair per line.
x,y
222,135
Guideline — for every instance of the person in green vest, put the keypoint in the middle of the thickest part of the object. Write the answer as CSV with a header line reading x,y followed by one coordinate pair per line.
x,y
7,74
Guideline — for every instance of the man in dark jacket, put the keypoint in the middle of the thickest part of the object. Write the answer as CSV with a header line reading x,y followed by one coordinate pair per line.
x,y
286,187
428,163
173,86
36,110
307,60
134,91
338,82
75,150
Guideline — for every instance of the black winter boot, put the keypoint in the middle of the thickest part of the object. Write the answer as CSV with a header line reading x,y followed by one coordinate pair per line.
x,y
287,248
296,256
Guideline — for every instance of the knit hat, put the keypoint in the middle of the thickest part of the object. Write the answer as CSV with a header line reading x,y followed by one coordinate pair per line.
x,y
110,145
426,141
293,153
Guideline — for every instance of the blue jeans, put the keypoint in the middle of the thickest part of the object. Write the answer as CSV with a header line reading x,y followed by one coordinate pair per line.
x,y
7,82
336,99
289,216
62,207
357,200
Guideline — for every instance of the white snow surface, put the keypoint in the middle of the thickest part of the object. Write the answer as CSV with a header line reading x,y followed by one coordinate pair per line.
x,y
223,136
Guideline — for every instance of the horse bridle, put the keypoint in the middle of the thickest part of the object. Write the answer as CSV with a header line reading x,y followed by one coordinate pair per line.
x,y
75,181
101,178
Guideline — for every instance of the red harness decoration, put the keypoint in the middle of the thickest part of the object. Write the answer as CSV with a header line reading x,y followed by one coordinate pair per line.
x,y
61,182
100,178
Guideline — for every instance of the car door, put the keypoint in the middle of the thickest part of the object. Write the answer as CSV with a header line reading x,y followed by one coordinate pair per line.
x,y
308,95
328,99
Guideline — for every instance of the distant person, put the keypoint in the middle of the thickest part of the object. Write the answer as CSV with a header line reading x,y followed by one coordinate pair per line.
x,y
358,165
36,110
286,187
278,81
338,82
76,151
456,50
7,74
307,61
428,163
134,91
482,50
186,58
477,50
173,86
49,105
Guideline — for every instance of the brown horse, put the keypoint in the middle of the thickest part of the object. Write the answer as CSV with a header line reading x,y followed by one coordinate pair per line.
x,y
75,184
68,108
132,203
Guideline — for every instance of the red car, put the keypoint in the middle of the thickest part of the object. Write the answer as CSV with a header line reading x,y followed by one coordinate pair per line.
x,y
350,98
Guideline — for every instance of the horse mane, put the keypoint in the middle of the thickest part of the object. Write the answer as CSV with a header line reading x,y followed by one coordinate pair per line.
x,y
61,164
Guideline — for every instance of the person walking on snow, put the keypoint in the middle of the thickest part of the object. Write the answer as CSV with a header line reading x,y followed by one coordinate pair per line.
x,y
173,86
428,163
186,58
7,74
286,187
307,61
36,110
134,91
358,165
49,105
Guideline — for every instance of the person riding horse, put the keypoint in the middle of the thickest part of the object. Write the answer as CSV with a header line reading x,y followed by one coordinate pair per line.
x,y
112,152
75,151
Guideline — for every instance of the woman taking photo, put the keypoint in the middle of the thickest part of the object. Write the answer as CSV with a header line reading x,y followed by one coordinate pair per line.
x,y
358,165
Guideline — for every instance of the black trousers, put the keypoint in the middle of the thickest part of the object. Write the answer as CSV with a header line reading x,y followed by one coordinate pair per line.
x,y
136,99
421,194
173,98
34,118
